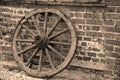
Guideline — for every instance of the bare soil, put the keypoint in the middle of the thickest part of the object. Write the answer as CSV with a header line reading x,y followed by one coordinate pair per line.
x,y
9,70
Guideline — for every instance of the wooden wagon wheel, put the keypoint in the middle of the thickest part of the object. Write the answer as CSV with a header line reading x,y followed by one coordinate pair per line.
x,y
44,42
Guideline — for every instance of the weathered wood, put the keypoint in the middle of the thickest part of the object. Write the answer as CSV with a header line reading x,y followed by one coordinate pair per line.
x,y
40,57
12,67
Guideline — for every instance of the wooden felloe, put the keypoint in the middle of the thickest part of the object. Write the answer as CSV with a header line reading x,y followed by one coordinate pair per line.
x,y
44,42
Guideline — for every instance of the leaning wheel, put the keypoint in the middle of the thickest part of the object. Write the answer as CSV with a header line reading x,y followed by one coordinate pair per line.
x,y
44,42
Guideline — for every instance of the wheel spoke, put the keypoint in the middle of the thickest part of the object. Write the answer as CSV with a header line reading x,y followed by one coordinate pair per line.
x,y
54,26
19,28
37,18
50,59
25,40
45,23
33,34
57,34
40,60
23,21
31,57
54,42
29,65
22,51
56,52
22,57
36,24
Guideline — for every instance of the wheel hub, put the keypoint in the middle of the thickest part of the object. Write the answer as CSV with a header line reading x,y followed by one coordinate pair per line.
x,y
41,41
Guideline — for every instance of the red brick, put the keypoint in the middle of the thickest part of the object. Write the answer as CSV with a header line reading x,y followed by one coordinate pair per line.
x,y
110,9
72,14
91,54
87,15
112,54
94,22
109,22
83,43
118,23
117,36
79,48
113,29
80,33
77,15
94,9
113,3
95,49
117,29
96,16
77,9
87,27
109,35
79,27
78,57
86,58
94,34
118,9
111,16
79,38
82,53
101,55
108,48
117,49
109,29
95,28
87,38
113,42
95,59
78,21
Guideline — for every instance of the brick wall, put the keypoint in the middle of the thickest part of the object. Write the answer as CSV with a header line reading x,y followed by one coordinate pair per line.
x,y
98,33
9,17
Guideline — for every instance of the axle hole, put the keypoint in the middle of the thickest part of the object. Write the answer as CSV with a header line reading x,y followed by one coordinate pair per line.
x,y
38,39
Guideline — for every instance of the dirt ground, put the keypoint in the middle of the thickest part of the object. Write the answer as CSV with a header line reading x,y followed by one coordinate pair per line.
x,y
15,73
